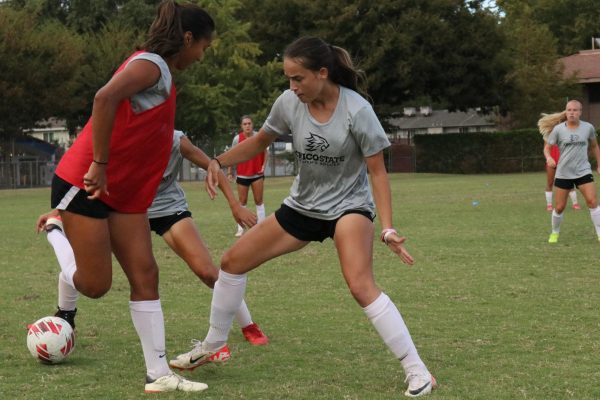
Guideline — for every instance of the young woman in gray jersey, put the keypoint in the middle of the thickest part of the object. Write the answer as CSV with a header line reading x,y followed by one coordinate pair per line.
x,y
573,170
170,218
336,137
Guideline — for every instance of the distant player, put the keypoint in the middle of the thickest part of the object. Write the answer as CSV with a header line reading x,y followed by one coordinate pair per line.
x,y
250,174
573,137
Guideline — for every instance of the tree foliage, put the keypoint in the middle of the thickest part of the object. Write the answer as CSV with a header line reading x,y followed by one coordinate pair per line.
x,y
229,83
535,83
448,53
39,61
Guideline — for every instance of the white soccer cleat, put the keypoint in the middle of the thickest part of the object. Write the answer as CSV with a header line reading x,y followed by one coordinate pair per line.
x,y
420,383
199,356
172,382
239,232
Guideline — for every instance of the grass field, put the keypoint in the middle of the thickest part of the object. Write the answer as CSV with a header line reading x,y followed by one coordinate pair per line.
x,y
496,312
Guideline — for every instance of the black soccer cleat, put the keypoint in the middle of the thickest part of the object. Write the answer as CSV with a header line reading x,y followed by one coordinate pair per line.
x,y
68,316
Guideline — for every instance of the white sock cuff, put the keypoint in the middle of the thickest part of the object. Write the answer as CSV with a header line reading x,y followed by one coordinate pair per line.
x,y
555,214
145,306
232,279
378,306
595,211
260,207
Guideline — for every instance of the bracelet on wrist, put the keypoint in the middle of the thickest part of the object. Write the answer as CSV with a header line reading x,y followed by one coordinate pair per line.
x,y
385,233
100,162
218,162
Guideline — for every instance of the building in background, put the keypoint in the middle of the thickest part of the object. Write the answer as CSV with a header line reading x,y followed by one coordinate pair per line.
x,y
53,131
426,121
585,67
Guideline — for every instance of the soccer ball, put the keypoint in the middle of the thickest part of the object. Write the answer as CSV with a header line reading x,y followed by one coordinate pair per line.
x,y
50,339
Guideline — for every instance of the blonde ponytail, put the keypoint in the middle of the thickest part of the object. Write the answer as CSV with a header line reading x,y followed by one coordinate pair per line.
x,y
549,121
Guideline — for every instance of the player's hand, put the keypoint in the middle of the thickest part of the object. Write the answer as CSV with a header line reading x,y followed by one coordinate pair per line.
x,y
550,162
396,244
94,181
243,216
42,219
212,178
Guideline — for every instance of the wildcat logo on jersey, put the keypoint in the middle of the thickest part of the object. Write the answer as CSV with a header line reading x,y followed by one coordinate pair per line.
x,y
316,142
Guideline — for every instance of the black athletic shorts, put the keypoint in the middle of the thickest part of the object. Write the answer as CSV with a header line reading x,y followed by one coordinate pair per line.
x,y
247,181
569,184
162,224
73,199
310,229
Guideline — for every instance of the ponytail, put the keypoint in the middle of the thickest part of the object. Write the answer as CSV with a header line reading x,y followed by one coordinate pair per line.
x,y
549,121
314,53
166,34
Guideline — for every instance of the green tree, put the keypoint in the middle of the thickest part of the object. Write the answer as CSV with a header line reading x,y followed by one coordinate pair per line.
x,y
573,23
228,83
535,83
442,50
39,63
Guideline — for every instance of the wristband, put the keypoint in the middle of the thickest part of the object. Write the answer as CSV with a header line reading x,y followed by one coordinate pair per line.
x,y
385,233
218,162
100,162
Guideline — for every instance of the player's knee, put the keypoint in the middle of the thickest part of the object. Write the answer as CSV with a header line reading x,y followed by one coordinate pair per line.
x,y
229,261
226,261
208,276
591,203
95,290
361,291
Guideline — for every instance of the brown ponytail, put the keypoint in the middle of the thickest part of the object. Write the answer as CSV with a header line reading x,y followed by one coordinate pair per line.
x,y
166,34
314,53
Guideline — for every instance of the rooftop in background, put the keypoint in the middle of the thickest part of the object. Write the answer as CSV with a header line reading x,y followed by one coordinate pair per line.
x,y
428,121
583,65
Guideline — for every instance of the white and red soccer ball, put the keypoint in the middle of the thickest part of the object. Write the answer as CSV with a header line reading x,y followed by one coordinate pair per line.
x,y
50,339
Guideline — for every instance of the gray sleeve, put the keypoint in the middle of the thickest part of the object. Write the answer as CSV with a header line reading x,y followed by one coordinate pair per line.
x,y
276,122
593,132
368,132
552,136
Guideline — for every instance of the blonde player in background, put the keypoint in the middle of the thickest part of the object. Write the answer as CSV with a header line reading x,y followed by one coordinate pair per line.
x,y
573,137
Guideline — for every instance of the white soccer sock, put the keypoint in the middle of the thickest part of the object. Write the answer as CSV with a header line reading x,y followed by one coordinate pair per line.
x,y
64,254
260,212
388,322
595,213
239,227
549,198
242,315
67,294
556,220
573,196
228,295
148,320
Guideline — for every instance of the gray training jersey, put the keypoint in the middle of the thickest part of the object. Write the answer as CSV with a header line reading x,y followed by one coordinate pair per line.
x,y
170,198
573,145
332,174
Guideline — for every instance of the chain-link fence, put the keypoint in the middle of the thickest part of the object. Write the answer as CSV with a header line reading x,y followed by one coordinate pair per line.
x,y
35,173
25,173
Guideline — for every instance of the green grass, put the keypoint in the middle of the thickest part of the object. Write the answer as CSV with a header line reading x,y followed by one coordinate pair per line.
x,y
495,311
